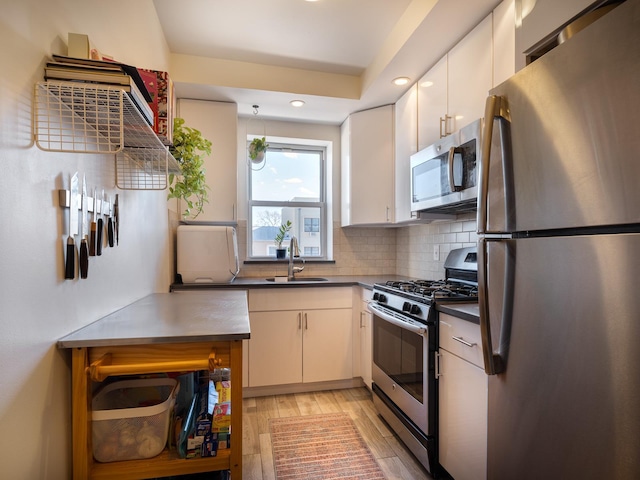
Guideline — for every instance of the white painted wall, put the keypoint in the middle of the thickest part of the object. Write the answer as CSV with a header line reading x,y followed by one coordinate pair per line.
x,y
37,306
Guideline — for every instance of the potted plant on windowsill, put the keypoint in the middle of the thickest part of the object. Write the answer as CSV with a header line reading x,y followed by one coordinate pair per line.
x,y
189,149
257,149
282,232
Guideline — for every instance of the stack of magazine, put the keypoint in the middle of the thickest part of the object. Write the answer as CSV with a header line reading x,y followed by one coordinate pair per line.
x,y
102,72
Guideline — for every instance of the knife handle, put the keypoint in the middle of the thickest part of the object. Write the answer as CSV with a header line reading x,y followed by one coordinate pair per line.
x,y
92,240
110,231
84,258
70,264
99,237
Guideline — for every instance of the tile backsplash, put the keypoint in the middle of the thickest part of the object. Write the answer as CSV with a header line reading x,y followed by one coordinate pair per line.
x,y
415,246
407,251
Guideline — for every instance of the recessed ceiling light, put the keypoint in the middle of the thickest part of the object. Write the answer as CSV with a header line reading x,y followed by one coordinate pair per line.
x,y
426,84
297,103
401,80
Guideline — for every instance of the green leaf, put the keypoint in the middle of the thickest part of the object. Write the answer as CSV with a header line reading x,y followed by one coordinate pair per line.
x,y
190,149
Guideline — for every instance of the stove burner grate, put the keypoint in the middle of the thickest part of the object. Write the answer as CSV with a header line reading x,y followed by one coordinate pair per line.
x,y
435,288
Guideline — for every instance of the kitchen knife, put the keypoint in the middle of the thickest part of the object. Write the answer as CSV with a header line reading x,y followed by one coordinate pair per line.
x,y
84,248
92,237
70,264
116,219
99,229
110,224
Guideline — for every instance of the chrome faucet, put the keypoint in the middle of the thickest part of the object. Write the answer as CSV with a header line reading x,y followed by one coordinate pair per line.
x,y
294,252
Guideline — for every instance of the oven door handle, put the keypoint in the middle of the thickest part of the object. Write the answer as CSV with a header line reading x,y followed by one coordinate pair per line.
x,y
388,316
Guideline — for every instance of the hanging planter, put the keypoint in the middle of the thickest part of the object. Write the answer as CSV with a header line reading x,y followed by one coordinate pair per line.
x,y
257,149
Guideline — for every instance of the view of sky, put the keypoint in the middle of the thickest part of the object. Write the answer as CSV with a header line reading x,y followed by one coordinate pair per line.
x,y
287,175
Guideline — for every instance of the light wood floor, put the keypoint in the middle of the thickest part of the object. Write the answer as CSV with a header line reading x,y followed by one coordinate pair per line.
x,y
257,463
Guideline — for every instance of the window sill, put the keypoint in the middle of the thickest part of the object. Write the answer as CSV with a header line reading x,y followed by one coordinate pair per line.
x,y
285,261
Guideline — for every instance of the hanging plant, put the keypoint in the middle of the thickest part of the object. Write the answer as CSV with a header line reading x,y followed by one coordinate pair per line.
x,y
257,148
189,149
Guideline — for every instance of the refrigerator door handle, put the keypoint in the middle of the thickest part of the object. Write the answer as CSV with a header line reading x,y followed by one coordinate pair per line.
x,y
495,362
495,107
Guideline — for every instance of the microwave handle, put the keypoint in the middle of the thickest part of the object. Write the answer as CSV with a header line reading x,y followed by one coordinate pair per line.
x,y
452,164
452,185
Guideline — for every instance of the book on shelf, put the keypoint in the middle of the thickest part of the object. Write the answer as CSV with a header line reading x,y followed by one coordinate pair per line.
x,y
118,79
105,64
163,103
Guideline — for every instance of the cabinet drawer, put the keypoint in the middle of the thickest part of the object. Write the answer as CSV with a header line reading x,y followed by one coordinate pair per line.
x,y
454,331
278,299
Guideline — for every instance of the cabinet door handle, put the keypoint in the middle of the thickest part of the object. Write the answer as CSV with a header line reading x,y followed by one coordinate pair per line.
x,y
306,323
299,321
361,314
443,120
463,341
437,365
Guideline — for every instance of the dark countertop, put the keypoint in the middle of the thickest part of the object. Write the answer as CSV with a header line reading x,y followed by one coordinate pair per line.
x,y
169,318
366,281
466,311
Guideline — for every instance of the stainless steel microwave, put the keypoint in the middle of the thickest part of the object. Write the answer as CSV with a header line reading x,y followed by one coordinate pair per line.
x,y
444,175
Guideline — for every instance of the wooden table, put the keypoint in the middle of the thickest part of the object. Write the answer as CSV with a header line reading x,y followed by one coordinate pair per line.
x,y
166,332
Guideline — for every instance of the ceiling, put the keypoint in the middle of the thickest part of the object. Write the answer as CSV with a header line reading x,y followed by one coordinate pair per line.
x,y
338,56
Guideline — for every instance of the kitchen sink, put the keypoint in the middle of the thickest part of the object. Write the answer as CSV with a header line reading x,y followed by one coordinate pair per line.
x,y
299,279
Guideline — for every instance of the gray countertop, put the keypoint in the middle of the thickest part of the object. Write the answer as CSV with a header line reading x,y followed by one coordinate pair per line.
x,y
466,311
366,281
169,318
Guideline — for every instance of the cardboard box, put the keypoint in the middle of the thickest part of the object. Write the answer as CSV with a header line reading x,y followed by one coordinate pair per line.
x,y
78,45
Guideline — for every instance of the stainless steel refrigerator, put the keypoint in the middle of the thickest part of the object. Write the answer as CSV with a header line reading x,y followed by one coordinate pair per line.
x,y
559,259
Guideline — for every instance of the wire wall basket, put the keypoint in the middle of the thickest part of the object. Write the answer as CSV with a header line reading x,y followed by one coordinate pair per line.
x,y
81,117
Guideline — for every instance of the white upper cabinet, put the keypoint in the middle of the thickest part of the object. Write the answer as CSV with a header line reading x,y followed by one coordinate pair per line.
x,y
406,144
470,73
452,93
368,167
218,122
432,104
540,21
504,32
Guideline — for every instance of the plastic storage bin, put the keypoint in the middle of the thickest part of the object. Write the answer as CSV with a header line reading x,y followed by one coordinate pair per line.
x,y
130,418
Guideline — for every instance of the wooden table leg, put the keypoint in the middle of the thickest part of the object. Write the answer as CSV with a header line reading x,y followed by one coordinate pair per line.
x,y
236,410
82,457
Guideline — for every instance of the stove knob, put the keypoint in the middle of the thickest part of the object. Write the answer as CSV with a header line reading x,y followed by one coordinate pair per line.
x,y
376,296
415,310
382,298
406,307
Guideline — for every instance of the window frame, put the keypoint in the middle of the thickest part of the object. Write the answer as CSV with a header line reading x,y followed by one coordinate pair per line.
x,y
322,204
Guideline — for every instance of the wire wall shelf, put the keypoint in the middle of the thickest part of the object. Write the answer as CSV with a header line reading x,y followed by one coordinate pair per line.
x,y
80,117
142,169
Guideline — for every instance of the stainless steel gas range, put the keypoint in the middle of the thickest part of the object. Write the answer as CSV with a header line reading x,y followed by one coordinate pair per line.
x,y
404,346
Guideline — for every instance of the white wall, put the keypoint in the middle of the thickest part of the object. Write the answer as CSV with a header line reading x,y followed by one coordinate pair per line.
x,y
37,306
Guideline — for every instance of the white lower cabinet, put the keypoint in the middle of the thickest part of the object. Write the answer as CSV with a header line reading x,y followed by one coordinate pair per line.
x,y
462,399
290,344
366,340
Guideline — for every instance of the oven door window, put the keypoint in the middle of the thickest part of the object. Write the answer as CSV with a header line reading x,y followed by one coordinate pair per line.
x,y
399,353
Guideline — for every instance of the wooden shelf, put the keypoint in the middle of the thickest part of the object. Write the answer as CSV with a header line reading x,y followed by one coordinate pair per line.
x,y
138,359
165,464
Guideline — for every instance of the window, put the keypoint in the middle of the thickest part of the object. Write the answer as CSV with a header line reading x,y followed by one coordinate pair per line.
x,y
311,225
289,187
311,251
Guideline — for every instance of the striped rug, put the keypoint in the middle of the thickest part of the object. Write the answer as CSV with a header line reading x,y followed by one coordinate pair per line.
x,y
323,447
